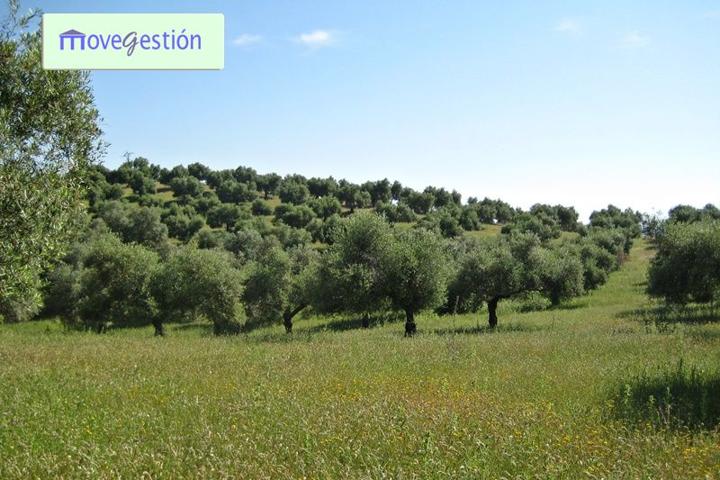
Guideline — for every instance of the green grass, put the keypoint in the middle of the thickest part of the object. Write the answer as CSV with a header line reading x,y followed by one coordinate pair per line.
x,y
163,192
536,399
273,201
485,231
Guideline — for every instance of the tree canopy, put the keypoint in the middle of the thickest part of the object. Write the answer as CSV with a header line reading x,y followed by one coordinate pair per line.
x,y
49,135
415,273
278,284
196,283
686,267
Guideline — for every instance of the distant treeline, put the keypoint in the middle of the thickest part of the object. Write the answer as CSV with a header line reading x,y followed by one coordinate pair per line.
x,y
233,199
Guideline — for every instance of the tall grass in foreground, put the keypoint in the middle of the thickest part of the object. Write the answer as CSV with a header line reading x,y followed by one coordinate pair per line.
x,y
675,398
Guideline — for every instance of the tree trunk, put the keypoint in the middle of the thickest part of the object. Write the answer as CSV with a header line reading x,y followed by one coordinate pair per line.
x,y
288,316
555,299
159,328
492,312
287,321
365,321
410,327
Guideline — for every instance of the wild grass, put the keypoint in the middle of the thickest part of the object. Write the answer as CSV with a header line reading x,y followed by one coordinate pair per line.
x,y
485,231
681,397
536,398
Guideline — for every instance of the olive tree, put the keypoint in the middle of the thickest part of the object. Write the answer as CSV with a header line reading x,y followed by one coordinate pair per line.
x,y
496,269
141,225
49,134
540,223
443,222
686,267
182,221
292,191
625,221
501,268
196,283
322,187
260,207
597,263
231,191
325,207
350,275
268,183
198,170
278,284
294,216
415,273
114,284
559,273
225,215
187,186
141,184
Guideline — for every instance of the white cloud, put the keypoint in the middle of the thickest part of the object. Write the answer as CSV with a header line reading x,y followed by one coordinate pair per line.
x,y
569,26
247,39
635,40
316,39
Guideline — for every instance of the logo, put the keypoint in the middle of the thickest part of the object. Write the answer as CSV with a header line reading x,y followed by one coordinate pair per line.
x,y
72,35
133,41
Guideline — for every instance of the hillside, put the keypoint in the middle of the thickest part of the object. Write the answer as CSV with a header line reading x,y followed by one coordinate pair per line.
x,y
539,396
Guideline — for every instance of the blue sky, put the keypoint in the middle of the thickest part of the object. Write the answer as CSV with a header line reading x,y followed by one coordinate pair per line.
x,y
579,103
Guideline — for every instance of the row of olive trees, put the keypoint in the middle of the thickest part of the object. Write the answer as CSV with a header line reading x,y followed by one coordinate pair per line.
x,y
104,282
372,267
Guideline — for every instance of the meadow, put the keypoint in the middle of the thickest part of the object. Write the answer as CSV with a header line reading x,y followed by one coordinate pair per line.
x,y
570,392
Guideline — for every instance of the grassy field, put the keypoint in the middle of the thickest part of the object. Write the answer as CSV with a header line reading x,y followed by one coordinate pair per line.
x,y
550,394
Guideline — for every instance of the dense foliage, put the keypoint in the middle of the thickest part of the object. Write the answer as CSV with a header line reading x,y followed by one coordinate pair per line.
x,y
196,283
687,265
48,135
279,284
294,243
